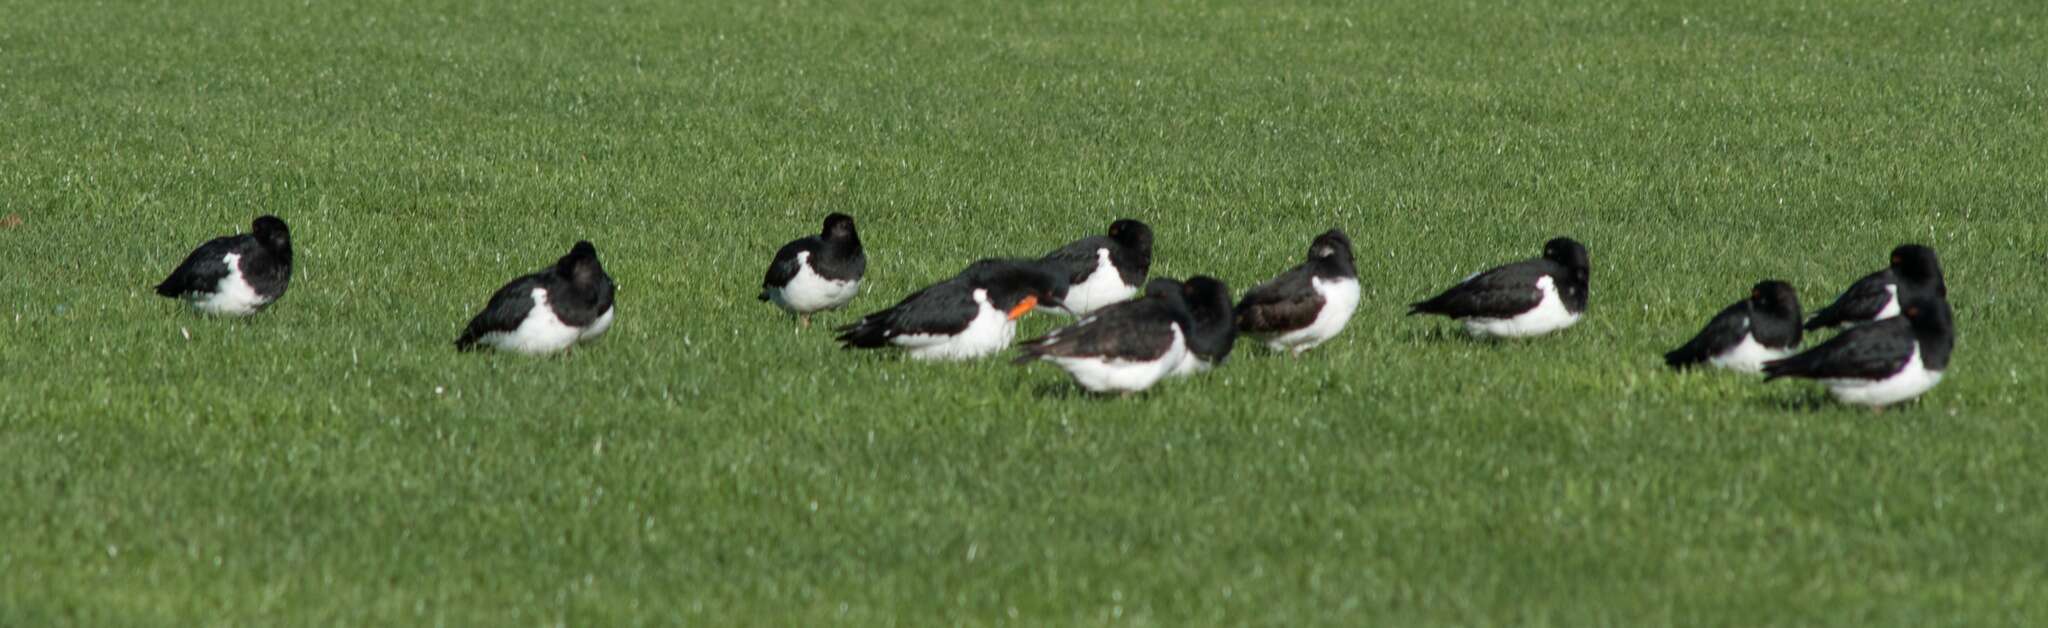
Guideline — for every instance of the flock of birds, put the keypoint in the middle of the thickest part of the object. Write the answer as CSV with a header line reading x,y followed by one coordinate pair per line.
x,y
1899,327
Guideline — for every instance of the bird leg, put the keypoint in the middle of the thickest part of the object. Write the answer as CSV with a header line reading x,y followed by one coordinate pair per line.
x,y
803,321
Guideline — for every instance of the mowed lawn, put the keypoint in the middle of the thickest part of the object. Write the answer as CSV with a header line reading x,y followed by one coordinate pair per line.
x,y
334,460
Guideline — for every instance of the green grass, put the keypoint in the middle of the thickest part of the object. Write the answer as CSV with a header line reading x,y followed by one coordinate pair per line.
x,y
335,461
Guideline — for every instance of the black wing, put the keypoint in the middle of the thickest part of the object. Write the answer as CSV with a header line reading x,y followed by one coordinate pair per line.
x,y
1861,302
1133,330
1723,332
203,269
1077,259
942,309
784,268
1499,293
507,309
1288,302
1874,351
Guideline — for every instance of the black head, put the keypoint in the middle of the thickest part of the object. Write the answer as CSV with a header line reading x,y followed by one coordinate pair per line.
x,y
1016,286
1917,265
1131,234
1207,294
272,233
1772,295
1932,321
1330,253
581,265
839,227
1568,253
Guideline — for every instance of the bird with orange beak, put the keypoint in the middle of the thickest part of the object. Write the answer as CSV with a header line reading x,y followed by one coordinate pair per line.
x,y
970,315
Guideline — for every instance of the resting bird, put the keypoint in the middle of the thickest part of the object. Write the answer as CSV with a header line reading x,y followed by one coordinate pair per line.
x,y
1882,363
1122,348
1101,270
547,311
1877,296
1747,334
971,315
1307,305
816,273
235,275
1527,298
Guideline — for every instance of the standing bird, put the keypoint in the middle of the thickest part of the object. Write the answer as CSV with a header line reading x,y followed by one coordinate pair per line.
x,y
1124,347
549,310
1308,304
1527,298
1882,363
235,275
1748,333
817,273
1215,331
1101,270
1878,296
971,315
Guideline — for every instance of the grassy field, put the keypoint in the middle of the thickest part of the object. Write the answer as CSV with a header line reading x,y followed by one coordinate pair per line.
x,y
334,460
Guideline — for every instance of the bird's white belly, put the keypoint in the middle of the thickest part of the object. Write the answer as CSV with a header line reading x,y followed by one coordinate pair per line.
x,y
233,296
990,331
1549,315
541,332
1891,307
1340,300
1191,365
597,327
1102,288
1909,382
1109,375
1747,356
809,291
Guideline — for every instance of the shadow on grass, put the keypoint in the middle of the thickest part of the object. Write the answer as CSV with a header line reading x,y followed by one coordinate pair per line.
x,y
1801,399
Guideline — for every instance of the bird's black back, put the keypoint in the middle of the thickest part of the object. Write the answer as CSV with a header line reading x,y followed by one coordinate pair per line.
x,y
1501,292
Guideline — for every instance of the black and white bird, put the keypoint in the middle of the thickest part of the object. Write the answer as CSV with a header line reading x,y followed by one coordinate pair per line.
x,y
235,275
1745,335
1307,305
1527,298
549,310
971,315
1101,270
1877,296
1124,347
1215,325
1881,363
816,273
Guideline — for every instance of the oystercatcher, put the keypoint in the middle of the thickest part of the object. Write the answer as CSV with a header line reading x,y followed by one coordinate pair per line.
x,y
1308,304
1877,295
816,273
235,275
971,315
1881,363
1527,298
1124,347
1745,335
1101,270
549,310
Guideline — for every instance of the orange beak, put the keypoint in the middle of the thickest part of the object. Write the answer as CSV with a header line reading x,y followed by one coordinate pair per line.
x,y
1023,307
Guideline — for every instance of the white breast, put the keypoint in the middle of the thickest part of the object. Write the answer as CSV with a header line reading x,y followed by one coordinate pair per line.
x,y
1549,315
809,292
1891,306
1340,300
1191,365
541,332
1909,382
233,296
1110,375
991,331
1103,287
1747,356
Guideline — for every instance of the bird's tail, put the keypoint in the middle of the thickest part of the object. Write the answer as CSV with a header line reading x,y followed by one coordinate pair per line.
x,y
869,332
